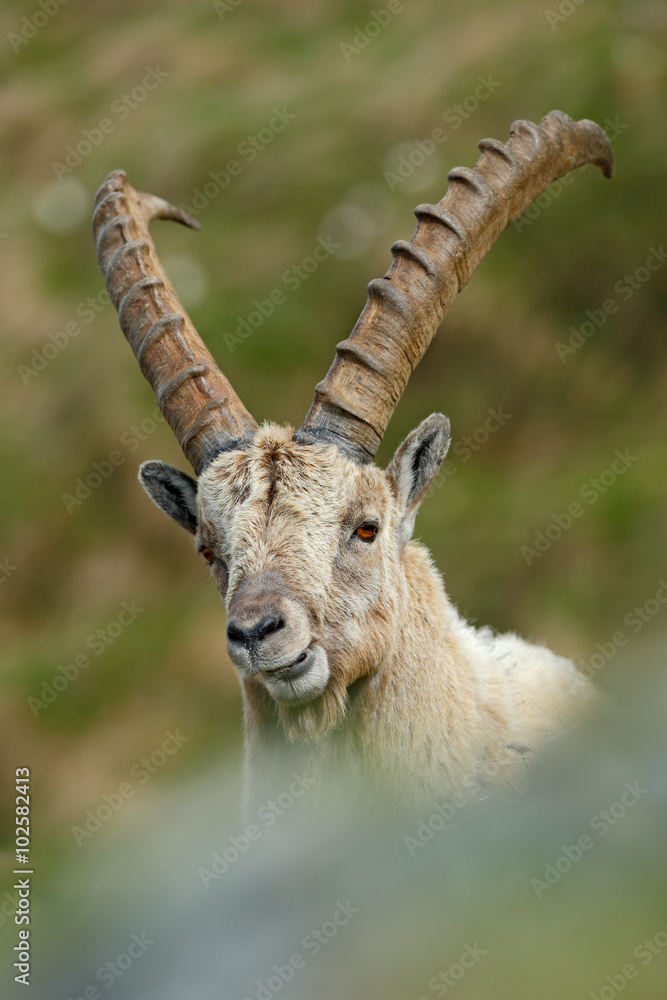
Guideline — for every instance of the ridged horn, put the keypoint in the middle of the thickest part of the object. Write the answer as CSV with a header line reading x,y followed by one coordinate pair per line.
x,y
354,402
194,396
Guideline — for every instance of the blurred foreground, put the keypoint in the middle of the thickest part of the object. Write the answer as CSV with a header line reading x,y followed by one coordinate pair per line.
x,y
178,896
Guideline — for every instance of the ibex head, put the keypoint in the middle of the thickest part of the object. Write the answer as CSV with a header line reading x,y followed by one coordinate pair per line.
x,y
306,538
305,546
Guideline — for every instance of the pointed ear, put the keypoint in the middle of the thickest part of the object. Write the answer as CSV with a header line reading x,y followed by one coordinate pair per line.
x,y
415,465
175,492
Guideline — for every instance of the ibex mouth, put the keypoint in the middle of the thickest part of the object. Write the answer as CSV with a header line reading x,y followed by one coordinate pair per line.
x,y
301,679
294,669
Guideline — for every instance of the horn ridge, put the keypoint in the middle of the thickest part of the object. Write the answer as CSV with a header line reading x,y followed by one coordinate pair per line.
x,y
355,400
194,396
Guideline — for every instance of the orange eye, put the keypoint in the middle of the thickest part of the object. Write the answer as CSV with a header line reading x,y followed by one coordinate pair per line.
x,y
367,531
208,554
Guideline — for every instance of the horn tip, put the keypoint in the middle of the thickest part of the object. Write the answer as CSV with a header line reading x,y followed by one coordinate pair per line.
x,y
187,220
157,208
599,139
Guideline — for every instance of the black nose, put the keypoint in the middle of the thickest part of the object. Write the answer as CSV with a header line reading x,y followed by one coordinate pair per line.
x,y
255,633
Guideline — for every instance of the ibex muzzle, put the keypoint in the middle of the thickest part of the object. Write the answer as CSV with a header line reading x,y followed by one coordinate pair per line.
x,y
269,636
336,620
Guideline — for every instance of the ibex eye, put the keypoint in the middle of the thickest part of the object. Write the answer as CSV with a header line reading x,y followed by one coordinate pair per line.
x,y
208,554
367,531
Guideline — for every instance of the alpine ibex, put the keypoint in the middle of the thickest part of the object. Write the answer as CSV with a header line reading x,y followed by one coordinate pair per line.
x,y
344,639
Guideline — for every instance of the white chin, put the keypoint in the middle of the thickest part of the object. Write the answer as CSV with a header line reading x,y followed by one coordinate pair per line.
x,y
308,685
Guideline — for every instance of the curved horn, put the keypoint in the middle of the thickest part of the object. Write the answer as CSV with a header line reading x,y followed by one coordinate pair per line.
x,y
354,402
194,396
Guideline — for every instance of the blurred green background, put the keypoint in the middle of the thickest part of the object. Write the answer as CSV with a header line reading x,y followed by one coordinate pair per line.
x,y
72,394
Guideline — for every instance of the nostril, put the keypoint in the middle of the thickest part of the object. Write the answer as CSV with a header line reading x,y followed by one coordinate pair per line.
x,y
269,624
236,634
255,633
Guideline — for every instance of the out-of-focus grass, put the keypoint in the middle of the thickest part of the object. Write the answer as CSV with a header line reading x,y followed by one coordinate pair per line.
x,y
497,349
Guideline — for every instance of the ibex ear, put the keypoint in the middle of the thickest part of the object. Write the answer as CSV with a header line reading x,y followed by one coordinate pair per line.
x,y
415,465
172,490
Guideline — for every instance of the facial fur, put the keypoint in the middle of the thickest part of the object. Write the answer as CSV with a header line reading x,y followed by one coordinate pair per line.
x,y
281,519
305,546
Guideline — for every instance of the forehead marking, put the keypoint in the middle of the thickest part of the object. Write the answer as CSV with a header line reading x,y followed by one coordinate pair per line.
x,y
271,465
